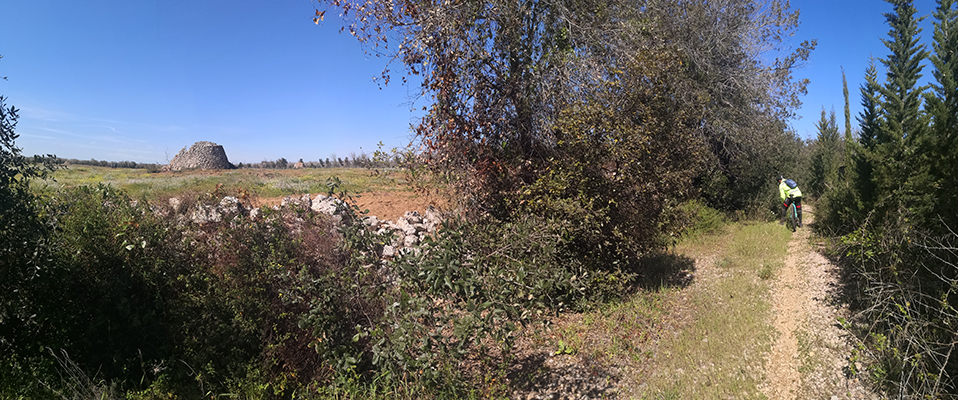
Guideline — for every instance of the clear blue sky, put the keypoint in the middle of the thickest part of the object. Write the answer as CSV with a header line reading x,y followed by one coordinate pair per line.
x,y
139,80
848,33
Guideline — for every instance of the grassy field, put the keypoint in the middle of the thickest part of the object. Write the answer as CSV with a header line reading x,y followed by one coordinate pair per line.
x,y
262,183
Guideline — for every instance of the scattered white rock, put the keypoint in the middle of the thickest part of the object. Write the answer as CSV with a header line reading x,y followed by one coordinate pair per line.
x,y
409,231
325,205
413,217
389,252
371,221
203,214
175,204
303,200
410,241
230,205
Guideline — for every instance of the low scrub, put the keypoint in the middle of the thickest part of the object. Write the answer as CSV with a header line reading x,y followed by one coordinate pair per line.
x,y
137,296
904,287
692,219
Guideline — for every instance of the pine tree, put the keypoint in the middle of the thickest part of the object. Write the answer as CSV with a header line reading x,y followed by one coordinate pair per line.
x,y
904,128
942,107
870,118
848,112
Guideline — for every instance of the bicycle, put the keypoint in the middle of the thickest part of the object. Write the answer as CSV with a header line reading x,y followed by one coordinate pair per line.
x,y
791,215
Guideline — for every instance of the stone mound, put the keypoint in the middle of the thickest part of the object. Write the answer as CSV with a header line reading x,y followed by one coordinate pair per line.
x,y
201,155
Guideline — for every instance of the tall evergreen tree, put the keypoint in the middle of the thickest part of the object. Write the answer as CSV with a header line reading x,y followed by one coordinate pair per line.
x,y
848,112
870,123
826,156
849,140
904,127
870,118
942,107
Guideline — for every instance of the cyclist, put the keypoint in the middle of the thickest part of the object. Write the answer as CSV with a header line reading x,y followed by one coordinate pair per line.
x,y
788,190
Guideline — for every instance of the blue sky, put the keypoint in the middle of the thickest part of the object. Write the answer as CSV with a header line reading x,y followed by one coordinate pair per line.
x,y
139,80
848,33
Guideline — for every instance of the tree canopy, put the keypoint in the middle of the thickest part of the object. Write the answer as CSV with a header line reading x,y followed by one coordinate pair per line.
x,y
658,100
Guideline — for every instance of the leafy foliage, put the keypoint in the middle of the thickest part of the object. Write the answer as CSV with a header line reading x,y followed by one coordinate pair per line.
x,y
601,112
942,106
136,298
137,295
22,247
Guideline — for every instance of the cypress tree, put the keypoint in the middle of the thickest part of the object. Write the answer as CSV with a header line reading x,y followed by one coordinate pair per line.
x,y
870,123
849,140
902,167
848,112
942,107
826,156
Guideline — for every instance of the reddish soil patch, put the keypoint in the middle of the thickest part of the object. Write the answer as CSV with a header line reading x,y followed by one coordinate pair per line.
x,y
392,205
384,205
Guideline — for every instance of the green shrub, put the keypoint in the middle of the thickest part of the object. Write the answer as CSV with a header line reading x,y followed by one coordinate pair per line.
x,y
23,258
147,303
693,218
839,211
471,286
139,296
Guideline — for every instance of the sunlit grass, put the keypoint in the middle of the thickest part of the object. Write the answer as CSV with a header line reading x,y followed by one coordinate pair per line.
x,y
258,182
705,341
613,333
720,353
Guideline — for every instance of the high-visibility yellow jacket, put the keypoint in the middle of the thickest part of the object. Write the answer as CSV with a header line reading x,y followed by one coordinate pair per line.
x,y
784,191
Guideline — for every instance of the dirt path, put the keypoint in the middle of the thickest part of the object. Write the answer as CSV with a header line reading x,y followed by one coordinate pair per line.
x,y
729,330
383,205
808,359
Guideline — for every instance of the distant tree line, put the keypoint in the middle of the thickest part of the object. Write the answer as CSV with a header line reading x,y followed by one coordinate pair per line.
x,y
112,164
354,161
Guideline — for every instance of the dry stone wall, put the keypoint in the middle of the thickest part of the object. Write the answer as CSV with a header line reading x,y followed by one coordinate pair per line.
x,y
201,155
408,231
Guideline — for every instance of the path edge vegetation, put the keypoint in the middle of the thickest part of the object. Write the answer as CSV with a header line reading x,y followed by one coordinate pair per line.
x,y
888,209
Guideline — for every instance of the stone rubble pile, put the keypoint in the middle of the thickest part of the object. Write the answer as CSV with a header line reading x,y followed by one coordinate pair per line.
x,y
408,231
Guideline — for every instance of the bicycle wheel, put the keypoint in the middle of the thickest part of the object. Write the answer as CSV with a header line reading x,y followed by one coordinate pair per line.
x,y
792,217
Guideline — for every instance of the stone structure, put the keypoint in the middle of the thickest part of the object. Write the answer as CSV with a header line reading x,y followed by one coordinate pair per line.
x,y
407,233
201,155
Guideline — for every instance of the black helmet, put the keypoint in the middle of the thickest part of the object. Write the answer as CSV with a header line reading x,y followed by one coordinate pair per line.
x,y
781,178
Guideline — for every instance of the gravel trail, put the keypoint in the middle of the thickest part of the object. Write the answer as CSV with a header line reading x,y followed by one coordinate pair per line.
x,y
809,358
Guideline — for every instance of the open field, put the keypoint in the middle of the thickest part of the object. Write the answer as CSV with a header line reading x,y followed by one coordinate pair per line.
x,y
386,194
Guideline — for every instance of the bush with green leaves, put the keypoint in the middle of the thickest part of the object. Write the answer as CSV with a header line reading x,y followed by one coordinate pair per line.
x,y
466,292
897,212
23,254
137,295
691,219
